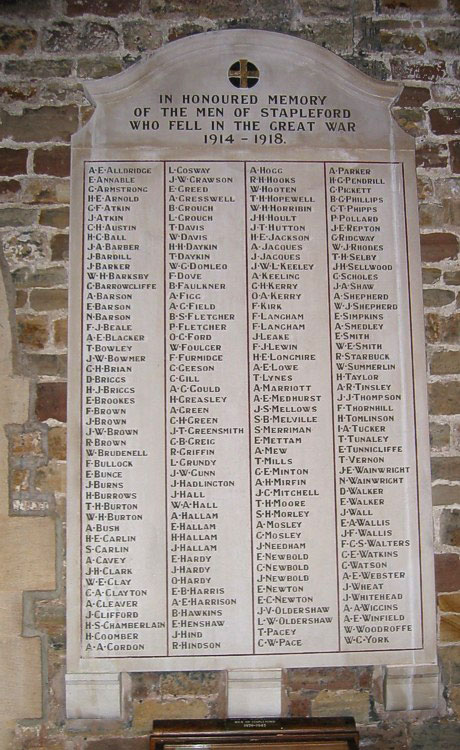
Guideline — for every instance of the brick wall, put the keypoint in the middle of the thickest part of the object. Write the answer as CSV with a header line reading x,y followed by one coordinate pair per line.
x,y
47,48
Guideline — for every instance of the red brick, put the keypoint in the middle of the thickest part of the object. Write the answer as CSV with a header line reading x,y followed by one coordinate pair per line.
x,y
20,480
60,247
33,331
438,297
437,246
57,443
446,467
48,299
60,332
446,494
385,736
365,678
100,67
433,328
387,40
435,734
413,96
417,70
375,68
451,277
450,527
43,277
449,657
17,217
445,362
431,156
46,364
340,678
439,435
43,124
449,628
145,685
413,5
429,275
62,36
28,9
53,161
118,743
23,443
17,92
342,703
54,217
41,190
16,41
101,7
21,298
189,683
13,161
447,572
444,397
425,189
86,114
445,93
445,121
228,8
141,36
451,329
335,34
413,43
411,120
51,401
449,602
298,704
432,215
34,69
454,150
452,208
186,29
8,189
441,41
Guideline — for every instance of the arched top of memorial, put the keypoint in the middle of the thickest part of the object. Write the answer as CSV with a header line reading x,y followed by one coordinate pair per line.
x,y
242,88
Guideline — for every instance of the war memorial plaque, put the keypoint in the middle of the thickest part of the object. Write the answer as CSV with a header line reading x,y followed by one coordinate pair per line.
x,y
249,466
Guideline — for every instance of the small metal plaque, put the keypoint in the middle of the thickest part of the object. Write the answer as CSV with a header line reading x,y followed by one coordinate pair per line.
x,y
267,734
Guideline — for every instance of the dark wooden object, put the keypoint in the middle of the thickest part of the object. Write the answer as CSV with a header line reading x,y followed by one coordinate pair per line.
x,y
266,734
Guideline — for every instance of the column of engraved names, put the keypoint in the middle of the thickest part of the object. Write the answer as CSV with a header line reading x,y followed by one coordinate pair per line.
x,y
122,614
293,492
207,425
374,420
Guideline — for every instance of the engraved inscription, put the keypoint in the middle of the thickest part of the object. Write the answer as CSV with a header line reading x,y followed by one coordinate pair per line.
x,y
264,431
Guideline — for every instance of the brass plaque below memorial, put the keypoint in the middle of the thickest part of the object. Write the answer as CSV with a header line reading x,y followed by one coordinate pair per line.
x,y
267,734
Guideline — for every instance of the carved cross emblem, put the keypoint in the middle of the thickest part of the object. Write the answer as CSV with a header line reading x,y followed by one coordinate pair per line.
x,y
243,74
